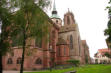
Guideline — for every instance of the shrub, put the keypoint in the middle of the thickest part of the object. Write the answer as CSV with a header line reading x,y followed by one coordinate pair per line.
x,y
14,69
34,69
74,62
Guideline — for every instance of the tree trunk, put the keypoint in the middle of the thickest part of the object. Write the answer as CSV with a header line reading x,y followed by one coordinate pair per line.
x,y
23,53
1,69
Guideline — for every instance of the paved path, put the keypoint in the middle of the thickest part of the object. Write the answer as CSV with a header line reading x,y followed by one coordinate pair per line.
x,y
71,71
10,71
16,71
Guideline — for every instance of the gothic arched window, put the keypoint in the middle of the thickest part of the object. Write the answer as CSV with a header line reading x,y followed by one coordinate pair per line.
x,y
38,61
64,51
68,20
19,60
71,42
59,51
9,61
79,45
38,42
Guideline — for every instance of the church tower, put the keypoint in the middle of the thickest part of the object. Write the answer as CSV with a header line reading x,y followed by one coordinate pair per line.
x,y
55,18
69,18
70,32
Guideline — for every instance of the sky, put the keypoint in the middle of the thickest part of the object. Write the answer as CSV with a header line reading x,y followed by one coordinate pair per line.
x,y
91,17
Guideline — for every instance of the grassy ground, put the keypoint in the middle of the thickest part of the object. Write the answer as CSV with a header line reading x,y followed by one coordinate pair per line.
x,y
94,69
84,69
54,71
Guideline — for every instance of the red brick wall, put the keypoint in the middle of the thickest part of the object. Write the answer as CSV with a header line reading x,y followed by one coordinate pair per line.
x,y
62,58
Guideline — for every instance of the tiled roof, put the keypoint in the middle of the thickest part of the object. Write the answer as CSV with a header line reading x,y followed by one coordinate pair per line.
x,y
103,50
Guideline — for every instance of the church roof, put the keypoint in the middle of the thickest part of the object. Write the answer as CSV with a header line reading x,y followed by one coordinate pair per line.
x,y
68,28
61,42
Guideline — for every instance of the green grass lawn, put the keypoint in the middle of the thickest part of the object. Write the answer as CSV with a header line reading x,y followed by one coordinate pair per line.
x,y
54,71
94,69
84,69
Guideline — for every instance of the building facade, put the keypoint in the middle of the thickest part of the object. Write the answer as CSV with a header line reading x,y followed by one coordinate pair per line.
x,y
70,33
85,53
64,44
100,58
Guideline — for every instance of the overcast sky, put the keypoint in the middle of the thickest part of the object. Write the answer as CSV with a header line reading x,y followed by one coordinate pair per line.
x,y
91,17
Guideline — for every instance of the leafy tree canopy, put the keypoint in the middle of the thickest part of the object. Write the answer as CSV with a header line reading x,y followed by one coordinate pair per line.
x,y
5,19
107,55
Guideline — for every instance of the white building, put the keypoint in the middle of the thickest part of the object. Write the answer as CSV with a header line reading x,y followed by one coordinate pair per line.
x,y
100,58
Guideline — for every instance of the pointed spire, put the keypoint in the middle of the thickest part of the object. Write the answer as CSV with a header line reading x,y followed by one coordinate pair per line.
x,y
54,6
54,12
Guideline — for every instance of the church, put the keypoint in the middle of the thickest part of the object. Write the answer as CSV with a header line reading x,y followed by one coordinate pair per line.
x,y
65,44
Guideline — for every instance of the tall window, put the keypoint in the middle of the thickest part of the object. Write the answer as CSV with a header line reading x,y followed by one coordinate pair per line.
x,y
19,60
64,51
9,61
16,40
68,20
38,61
59,51
79,45
38,42
71,42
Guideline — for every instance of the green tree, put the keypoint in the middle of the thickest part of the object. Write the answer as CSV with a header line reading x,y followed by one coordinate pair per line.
x,y
107,31
5,19
30,22
5,22
107,55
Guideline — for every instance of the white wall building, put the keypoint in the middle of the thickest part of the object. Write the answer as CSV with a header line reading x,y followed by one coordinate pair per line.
x,y
100,58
